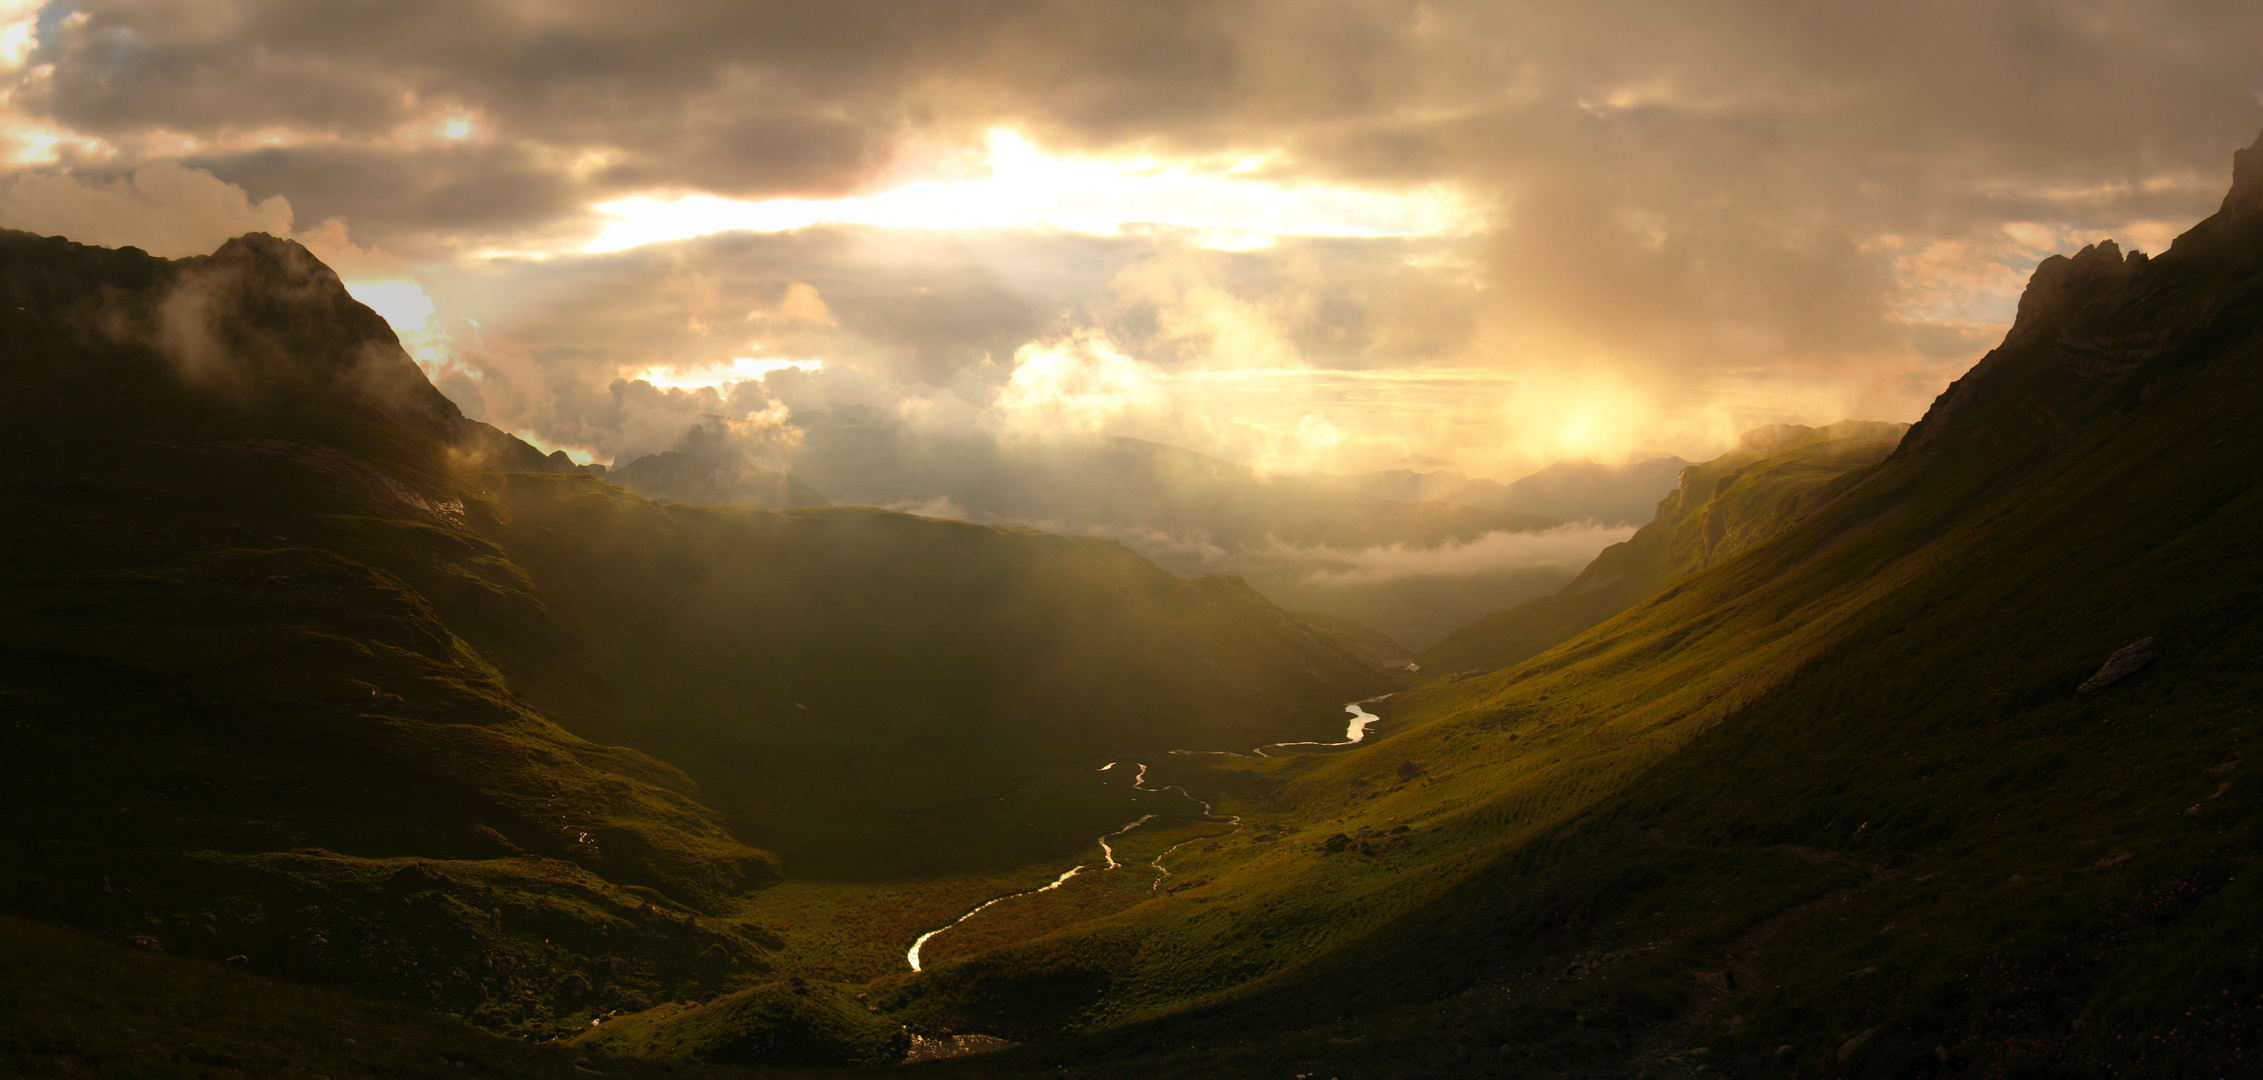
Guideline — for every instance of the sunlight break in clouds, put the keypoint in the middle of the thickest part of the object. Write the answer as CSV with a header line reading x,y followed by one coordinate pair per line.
x,y
1228,208
721,376
402,304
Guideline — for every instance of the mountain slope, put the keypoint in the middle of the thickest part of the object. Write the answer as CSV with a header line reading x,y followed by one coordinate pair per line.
x,y
302,665
1774,477
1852,802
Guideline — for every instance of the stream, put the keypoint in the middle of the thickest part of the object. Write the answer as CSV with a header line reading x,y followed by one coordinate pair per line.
x,y
1355,732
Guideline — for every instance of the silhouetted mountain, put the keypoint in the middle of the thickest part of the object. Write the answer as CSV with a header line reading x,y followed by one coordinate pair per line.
x,y
301,664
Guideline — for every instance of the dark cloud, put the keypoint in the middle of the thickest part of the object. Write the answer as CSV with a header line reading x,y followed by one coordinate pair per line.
x,y
400,197
1836,197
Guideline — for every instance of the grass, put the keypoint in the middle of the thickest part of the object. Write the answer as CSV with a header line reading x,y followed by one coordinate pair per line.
x,y
1829,807
76,1004
1721,509
292,671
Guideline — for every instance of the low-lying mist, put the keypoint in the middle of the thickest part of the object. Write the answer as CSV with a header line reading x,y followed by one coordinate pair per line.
x,y
1565,548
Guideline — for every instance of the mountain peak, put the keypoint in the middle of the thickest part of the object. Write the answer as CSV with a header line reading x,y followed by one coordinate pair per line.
x,y
2246,196
260,248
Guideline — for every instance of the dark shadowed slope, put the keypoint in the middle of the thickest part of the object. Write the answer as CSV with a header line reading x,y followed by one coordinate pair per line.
x,y
1850,803
1776,476
302,665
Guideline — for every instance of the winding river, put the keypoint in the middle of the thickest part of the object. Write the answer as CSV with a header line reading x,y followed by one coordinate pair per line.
x,y
1355,732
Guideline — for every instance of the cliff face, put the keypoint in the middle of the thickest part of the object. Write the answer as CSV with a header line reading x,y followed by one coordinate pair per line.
x,y
2100,316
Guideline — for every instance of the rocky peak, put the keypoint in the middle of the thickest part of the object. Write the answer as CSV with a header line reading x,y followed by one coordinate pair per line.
x,y
2057,277
2246,196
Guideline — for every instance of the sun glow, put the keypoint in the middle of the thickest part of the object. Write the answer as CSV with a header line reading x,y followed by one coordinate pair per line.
x,y
403,304
703,376
1229,207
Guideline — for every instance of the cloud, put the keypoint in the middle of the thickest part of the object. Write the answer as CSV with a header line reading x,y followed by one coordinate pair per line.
x,y
1694,218
1564,548
1078,385
162,208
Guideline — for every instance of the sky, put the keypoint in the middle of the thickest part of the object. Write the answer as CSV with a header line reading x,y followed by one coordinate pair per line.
x,y
1307,235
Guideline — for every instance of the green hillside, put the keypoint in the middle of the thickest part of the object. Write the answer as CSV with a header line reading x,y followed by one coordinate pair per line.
x,y
1834,806
1774,477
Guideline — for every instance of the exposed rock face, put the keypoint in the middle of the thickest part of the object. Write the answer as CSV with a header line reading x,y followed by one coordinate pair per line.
x,y
2126,661
2245,199
2099,316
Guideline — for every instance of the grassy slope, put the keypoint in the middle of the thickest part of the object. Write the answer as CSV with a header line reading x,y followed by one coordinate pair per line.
x,y
75,1004
327,697
230,730
1831,808
1722,508
878,695
1361,640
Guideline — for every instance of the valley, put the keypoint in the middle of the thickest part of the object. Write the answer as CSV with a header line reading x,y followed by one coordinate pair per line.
x,y
311,680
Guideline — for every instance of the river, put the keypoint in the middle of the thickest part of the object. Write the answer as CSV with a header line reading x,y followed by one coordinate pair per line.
x,y
1354,733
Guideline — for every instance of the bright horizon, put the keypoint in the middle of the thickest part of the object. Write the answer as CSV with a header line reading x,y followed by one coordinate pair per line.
x,y
1485,240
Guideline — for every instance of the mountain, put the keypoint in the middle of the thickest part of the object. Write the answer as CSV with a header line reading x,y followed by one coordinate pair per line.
x,y
1565,491
1775,476
1362,641
1413,570
1944,778
1116,485
301,665
681,476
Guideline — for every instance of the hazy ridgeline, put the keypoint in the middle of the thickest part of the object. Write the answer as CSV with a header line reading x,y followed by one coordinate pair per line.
x,y
1817,774
1773,478
1412,564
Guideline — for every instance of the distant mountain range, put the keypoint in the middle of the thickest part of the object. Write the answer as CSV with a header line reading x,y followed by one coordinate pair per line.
x,y
1565,491
1291,538
1774,477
